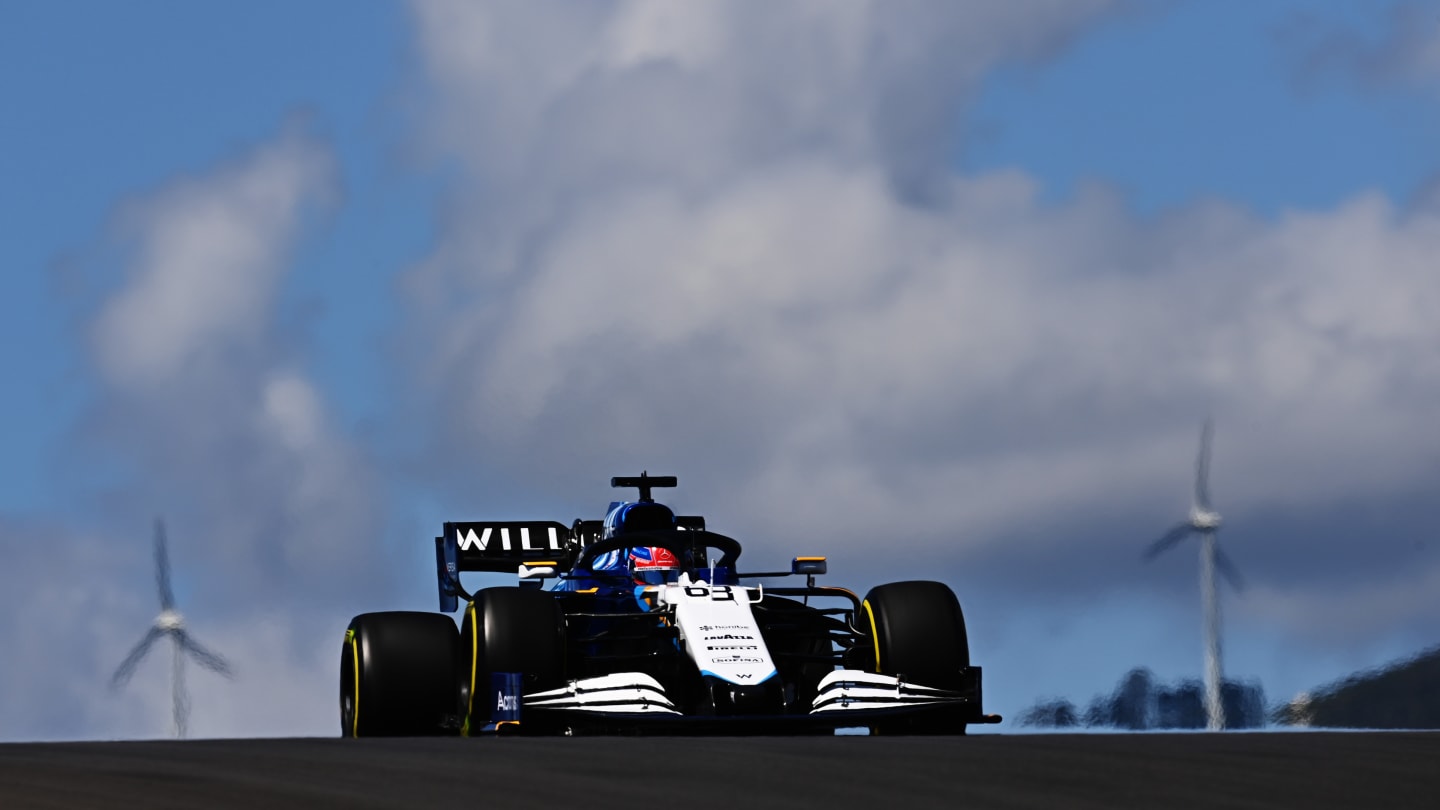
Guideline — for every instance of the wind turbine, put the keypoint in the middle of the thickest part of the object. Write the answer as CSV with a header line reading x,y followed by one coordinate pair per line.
x,y
170,623
1204,521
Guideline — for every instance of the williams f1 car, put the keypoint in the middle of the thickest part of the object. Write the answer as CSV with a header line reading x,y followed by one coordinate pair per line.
x,y
649,626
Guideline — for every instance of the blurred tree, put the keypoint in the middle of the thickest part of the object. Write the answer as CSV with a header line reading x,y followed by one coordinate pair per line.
x,y
1139,703
1404,694
1054,713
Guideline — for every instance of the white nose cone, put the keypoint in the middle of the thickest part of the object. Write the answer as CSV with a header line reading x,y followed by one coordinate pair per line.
x,y
1204,519
169,621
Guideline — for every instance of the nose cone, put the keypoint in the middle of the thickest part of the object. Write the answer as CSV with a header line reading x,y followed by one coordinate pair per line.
x,y
1204,519
170,620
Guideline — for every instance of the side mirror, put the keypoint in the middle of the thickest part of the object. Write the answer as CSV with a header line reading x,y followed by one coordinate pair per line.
x,y
809,566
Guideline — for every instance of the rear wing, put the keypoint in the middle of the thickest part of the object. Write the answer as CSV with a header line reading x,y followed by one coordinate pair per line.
x,y
499,547
504,547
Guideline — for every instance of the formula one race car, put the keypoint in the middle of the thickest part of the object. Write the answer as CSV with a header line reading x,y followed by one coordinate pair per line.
x,y
648,629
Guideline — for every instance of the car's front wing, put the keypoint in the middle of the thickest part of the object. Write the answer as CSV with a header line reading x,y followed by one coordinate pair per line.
x,y
636,702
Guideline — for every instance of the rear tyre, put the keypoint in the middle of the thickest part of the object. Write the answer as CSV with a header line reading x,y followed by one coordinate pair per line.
x,y
397,675
918,634
509,629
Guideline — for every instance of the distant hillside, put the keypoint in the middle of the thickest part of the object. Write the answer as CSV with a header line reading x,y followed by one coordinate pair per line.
x,y
1139,702
1405,694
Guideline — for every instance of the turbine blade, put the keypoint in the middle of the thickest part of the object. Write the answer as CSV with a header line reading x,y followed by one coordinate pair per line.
x,y
162,567
1202,467
127,667
179,694
202,656
1167,540
1227,569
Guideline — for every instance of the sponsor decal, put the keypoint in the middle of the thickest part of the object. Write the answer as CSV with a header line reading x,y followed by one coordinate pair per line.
x,y
719,593
735,647
706,628
738,659
469,540
729,637
505,686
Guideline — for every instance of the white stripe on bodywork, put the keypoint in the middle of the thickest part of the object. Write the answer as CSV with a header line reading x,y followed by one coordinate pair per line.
x,y
854,690
622,692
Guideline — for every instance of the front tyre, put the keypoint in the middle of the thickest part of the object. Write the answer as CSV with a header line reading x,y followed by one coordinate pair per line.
x,y
397,675
508,629
918,634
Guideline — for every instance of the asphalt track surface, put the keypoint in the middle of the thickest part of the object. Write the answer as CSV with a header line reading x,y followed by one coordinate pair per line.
x,y
1308,770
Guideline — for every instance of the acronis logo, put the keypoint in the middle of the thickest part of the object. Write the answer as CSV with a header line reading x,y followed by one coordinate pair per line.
x,y
505,686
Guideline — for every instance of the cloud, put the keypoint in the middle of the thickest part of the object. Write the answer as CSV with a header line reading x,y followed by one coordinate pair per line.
x,y
59,604
571,104
203,391
202,411
1406,51
757,267
209,257
1352,611
555,126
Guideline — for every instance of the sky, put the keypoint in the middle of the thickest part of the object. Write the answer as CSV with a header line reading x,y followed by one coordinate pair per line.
x,y
941,290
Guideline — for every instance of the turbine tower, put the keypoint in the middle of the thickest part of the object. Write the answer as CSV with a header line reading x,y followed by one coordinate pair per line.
x,y
170,623
1204,521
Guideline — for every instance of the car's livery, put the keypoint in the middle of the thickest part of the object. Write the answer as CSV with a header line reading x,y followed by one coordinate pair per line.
x,y
648,626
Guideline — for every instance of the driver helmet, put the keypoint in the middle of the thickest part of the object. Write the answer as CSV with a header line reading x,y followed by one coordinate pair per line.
x,y
652,565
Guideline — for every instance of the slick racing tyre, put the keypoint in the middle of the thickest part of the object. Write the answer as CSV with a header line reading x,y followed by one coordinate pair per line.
x,y
397,675
918,633
509,629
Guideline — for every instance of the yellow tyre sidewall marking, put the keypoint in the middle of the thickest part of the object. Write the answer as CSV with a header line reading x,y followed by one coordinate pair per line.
x,y
355,660
874,634
474,654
